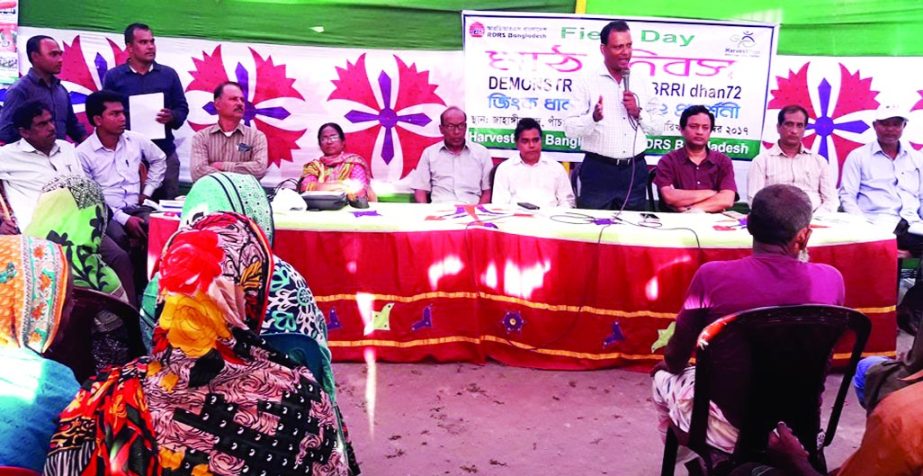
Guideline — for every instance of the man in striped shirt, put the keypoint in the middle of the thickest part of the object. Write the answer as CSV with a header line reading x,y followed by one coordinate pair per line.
x,y
789,162
229,146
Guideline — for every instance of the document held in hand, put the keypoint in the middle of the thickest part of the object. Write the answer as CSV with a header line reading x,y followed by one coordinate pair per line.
x,y
143,115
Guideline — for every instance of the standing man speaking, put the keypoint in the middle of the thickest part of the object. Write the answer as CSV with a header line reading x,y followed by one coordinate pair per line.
x,y
613,116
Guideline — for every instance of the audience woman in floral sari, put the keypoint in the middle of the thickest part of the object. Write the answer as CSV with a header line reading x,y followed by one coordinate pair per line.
x,y
212,397
33,316
337,170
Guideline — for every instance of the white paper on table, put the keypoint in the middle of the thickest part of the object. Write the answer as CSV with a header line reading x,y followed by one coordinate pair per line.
x,y
143,111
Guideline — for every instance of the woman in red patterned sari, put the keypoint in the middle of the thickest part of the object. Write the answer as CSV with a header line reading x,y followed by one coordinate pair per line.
x,y
212,398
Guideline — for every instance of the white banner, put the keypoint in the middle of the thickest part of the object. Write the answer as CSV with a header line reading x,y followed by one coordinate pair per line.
x,y
524,65
387,101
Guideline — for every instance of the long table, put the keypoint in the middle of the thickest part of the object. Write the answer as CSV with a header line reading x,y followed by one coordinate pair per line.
x,y
554,289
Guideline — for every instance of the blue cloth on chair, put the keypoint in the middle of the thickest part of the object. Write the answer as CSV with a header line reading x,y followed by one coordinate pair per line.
x,y
33,391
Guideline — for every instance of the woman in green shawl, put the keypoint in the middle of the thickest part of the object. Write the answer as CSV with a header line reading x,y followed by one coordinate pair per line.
x,y
72,212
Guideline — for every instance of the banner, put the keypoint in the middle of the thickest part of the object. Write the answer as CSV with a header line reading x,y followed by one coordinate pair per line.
x,y
387,101
525,65
9,25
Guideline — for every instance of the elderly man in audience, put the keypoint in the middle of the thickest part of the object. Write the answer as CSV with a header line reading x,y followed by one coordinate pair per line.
x,y
112,157
29,163
453,170
141,74
40,84
779,221
883,181
229,146
695,178
788,161
531,178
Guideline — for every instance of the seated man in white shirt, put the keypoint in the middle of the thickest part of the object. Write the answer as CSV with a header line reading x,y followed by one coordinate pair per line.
x,y
112,157
531,178
883,181
29,163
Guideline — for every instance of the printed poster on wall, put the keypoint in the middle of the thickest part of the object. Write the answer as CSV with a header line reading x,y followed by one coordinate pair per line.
x,y
525,65
9,26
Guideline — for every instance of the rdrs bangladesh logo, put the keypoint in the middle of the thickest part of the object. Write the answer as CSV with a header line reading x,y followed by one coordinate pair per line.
x,y
476,30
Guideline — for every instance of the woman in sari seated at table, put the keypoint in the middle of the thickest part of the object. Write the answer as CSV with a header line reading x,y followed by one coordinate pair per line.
x,y
337,170
33,316
212,397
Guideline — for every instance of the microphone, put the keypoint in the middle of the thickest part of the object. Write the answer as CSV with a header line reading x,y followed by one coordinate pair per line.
x,y
625,73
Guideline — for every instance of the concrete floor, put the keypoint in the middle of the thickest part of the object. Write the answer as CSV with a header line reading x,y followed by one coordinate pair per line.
x,y
464,419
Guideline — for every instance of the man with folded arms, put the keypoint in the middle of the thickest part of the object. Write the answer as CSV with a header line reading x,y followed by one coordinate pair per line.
x,y
696,178
530,177
229,146
883,181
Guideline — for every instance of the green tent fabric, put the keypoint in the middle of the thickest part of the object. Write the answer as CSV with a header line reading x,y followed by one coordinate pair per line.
x,y
409,24
809,27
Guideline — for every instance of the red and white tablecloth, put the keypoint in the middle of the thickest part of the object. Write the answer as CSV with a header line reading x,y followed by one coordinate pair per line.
x,y
550,289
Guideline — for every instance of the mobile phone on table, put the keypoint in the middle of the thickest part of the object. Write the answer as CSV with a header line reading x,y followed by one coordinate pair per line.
x,y
647,216
527,205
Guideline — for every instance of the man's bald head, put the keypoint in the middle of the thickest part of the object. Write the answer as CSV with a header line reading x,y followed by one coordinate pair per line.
x,y
778,213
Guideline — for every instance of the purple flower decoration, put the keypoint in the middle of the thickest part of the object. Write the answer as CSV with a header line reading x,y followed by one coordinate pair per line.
x,y
513,322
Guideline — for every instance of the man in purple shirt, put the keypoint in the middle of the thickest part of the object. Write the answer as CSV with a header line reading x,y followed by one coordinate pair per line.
x,y
779,221
695,178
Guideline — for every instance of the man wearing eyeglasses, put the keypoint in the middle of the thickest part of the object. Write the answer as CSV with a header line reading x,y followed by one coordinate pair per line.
x,y
454,170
